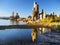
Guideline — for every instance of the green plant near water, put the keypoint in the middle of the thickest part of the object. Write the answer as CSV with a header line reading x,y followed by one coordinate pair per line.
x,y
51,19
48,19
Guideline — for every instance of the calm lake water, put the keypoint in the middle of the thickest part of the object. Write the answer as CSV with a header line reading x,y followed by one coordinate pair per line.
x,y
17,36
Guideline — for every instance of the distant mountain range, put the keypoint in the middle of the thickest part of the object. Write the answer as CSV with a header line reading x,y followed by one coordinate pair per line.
x,y
5,18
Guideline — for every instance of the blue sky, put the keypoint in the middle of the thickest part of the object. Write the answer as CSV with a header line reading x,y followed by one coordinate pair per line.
x,y
24,7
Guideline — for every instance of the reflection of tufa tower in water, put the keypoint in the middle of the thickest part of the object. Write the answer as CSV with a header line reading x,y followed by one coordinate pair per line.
x,y
34,34
35,11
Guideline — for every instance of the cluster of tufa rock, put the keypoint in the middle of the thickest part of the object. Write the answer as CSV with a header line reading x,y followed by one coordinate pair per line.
x,y
14,17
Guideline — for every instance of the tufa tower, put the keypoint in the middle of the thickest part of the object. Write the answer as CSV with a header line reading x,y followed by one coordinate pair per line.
x,y
35,11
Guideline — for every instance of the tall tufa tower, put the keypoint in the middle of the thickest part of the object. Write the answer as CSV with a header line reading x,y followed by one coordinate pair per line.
x,y
35,11
17,16
13,14
43,14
